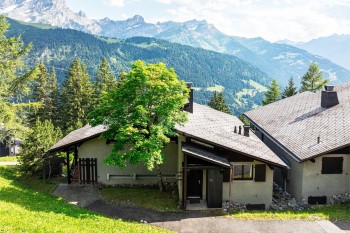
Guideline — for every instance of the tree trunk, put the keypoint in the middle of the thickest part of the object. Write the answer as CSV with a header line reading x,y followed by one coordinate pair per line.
x,y
160,179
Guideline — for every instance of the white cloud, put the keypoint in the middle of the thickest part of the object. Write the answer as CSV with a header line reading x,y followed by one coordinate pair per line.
x,y
115,3
297,20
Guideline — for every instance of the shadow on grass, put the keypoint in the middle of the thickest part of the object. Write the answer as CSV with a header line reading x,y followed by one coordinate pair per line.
x,y
35,201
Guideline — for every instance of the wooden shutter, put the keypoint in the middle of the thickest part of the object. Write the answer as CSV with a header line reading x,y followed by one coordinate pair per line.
x,y
332,165
260,172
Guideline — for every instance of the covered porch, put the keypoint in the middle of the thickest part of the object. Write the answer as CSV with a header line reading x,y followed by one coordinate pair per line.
x,y
202,177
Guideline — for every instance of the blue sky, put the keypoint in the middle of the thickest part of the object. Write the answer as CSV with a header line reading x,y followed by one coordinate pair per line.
x,y
295,20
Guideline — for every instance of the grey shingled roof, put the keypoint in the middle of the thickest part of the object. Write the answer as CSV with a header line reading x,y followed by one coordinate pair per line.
x,y
297,121
79,135
217,128
205,124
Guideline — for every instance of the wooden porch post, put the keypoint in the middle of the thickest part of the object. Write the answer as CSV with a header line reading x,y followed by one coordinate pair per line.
x,y
68,166
230,191
184,193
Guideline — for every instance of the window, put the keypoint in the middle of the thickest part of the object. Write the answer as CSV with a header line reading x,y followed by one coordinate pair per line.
x,y
332,165
243,172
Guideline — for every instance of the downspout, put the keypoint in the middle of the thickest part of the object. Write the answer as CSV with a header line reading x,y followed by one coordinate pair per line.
x,y
230,190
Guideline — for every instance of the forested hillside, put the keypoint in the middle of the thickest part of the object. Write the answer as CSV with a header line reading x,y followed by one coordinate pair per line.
x,y
243,84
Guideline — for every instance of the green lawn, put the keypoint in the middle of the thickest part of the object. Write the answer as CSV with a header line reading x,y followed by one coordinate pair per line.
x,y
8,159
332,213
142,197
23,209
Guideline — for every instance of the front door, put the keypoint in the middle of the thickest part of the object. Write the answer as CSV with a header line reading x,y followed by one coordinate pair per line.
x,y
194,183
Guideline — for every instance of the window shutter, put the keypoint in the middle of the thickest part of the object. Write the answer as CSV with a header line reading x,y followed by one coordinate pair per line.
x,y
332,165
260,172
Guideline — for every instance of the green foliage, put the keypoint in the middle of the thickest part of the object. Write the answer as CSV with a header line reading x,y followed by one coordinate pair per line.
x,y
313,79
272,94
141,114
41,95
290,89
218,102
13,82
244,120
77,97
54,97
40,138
24,209
104,81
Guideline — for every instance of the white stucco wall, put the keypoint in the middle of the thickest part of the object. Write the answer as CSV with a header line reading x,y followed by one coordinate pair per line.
x,y
317,184
249,191
97,148
295,179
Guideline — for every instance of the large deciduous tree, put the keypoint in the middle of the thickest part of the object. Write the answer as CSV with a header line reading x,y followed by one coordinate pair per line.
x,y
77,97
141,115
218,102
272,94
313,79
14,82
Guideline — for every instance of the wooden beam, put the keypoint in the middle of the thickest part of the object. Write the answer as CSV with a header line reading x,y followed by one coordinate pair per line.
x,y
68,167
184,196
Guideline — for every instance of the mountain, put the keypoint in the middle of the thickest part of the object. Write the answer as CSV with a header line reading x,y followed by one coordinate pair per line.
x,y
277,60
242,83
334,47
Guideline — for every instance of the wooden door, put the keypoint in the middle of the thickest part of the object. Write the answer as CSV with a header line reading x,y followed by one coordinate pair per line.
x,y
214,195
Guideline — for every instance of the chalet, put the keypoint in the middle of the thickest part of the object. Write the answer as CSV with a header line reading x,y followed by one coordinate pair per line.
x,y
213,158
310,133
9,147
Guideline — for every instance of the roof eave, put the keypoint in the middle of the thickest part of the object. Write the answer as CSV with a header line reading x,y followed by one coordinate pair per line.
x,y
60,148
228,148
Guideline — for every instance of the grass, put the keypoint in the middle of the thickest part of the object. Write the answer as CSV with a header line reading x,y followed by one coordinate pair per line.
x,y
8,159
141,197
23,209
339,212
217,88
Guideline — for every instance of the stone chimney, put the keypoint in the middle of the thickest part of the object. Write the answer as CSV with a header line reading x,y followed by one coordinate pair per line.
x,y
246,130
189,106
329,97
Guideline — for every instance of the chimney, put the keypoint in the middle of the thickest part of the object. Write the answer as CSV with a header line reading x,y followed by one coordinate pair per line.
x,y
235,130
240,129
189,106
246,130
329,97
318,140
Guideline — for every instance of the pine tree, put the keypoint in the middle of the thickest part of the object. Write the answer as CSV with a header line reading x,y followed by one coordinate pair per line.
x,y
40,138
272,94
41,94
218,102
77,97
54,98
13,82
290,89
313,79
105,81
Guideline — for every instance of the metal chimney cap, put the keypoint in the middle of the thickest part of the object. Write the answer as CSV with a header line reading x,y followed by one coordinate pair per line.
x,y
329,88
